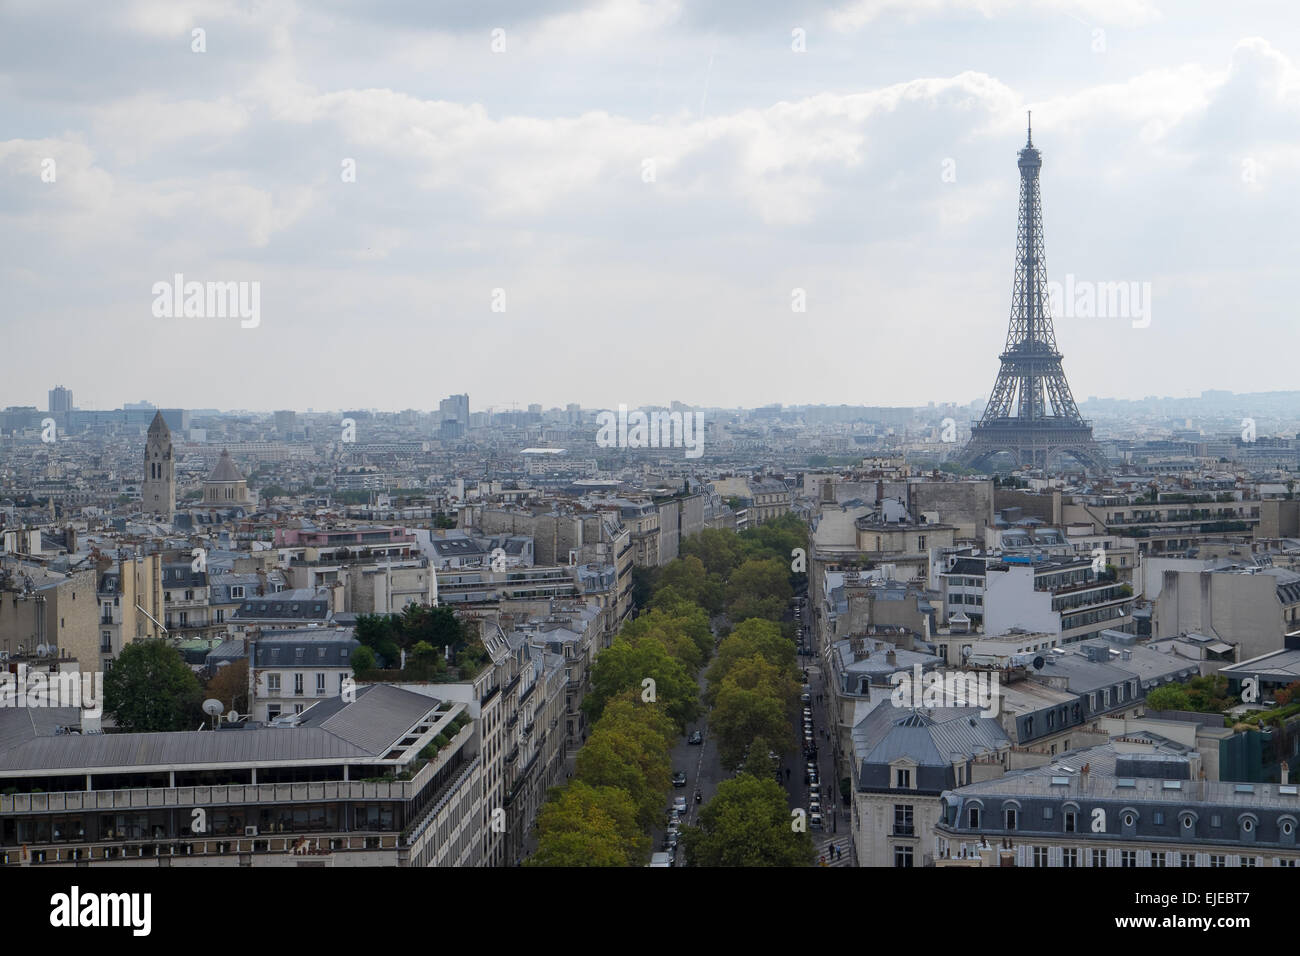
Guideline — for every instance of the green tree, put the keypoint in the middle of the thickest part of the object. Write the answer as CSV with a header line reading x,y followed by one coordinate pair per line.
x,y
624,665
1168,697
632,758
753,701
363,659
749,638
718,549
581,825
151,688
747,823
759,588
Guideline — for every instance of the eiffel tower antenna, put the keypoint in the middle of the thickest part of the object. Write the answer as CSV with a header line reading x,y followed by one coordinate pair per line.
x,y
1031,414
1030,143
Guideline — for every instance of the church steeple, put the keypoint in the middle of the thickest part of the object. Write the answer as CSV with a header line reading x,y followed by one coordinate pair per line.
x,y
158,492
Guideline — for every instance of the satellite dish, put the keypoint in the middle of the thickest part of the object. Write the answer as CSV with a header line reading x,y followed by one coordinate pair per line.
x,y
233,716
42,650
1038,663
213,707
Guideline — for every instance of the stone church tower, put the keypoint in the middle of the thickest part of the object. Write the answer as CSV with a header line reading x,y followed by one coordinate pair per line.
x,y
158,493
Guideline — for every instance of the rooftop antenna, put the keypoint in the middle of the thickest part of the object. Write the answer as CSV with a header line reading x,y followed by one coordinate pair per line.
x,y
1031,128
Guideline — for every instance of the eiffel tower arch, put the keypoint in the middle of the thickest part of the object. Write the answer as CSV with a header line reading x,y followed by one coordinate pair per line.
x,y
1031,415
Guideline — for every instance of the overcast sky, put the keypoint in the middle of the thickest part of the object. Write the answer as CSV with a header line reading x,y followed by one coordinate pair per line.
x,y
648,183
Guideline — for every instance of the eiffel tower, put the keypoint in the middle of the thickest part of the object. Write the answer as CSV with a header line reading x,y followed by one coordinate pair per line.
x,y
1031,414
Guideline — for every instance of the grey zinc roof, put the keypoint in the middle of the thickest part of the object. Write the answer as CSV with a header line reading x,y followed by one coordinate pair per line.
x,y
379,717
930,737
1084,675
65,754
21,724
363,729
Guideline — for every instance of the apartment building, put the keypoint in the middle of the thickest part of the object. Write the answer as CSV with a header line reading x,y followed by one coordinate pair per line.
x,y
291,670
905,760
345,784
1121,804
1252,607
40,607
1065,598
1173,524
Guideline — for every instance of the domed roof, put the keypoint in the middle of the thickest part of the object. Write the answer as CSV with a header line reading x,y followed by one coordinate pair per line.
x,y
225,470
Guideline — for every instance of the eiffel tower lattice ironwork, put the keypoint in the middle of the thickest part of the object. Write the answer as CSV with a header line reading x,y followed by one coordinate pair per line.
x,y
1031,414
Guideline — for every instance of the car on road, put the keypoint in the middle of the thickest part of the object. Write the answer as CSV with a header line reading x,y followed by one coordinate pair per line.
x,y
679,778
679,804
805,697
815,791
815,821
670,839
661,859
696,738
814,805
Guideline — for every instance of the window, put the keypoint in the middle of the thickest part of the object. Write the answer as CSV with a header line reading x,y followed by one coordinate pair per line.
x,y
903,820
1070,819
1216,820
1158,858
1187,859
106,642
1128,858
903,779
1069,856
273,683
273,712
973,818
1010,815
1098,857
903,856
1158,817
1040,856
1249,861
320,683
236,591
1218,859
1047,813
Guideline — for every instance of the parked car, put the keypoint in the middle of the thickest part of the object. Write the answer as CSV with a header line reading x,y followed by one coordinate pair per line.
x,y
670,840
679,778
679,804
815,821
696,738
805,697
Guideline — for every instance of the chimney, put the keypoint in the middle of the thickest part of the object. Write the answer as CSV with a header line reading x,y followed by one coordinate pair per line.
x,y
891,657
1286,773
1083,775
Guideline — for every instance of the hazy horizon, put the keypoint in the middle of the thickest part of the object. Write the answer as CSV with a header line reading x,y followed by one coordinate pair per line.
x,y
649,185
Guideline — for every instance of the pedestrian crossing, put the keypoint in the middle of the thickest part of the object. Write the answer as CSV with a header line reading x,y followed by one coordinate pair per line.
x,y
824,843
